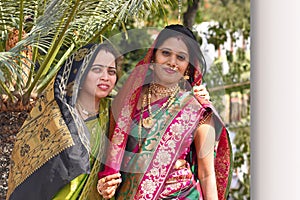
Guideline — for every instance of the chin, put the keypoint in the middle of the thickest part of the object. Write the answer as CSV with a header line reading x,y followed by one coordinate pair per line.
x,y
102,94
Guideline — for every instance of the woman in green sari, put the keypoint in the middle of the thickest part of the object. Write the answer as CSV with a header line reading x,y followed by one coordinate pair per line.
x,y
59,148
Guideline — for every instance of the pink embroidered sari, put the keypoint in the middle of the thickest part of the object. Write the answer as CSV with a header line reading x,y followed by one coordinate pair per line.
x,y
148,170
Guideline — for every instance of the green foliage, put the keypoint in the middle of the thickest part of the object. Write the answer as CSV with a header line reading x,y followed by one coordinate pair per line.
x,y
242,157
216,35
231,15
239,70
54,29
213,79
231,82
133,44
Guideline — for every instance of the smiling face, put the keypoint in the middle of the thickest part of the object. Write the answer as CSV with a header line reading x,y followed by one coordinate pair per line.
x,y
171,61
101,78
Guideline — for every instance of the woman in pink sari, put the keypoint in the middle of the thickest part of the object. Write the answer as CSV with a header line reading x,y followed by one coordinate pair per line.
x,y
165,144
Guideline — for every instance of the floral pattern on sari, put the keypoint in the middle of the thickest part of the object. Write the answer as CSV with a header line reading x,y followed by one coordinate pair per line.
x,y
166,141
223,164
119,138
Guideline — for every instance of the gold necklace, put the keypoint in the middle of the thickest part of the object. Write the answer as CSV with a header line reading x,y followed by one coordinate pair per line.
x,y
84,111
162,91
140,123
149,121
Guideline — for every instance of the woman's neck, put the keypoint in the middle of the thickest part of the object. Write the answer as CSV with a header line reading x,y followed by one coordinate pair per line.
x,y
88,105
164,85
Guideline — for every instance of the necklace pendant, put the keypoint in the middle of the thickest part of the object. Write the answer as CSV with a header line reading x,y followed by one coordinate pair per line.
x,y
148,122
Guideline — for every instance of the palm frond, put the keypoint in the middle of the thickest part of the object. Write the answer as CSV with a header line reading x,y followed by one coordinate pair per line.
x,y
55,28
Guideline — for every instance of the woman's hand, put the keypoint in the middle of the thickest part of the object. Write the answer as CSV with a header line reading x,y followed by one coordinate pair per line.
x,y
201,94
107,185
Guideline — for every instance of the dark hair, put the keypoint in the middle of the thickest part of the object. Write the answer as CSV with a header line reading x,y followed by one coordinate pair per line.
x,y
177,30
107,47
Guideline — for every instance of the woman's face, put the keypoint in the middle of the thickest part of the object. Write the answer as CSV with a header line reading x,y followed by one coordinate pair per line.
x,y
102,76
171,61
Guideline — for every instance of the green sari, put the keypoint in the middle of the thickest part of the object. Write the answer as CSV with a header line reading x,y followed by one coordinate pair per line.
x,y
84,186
57,154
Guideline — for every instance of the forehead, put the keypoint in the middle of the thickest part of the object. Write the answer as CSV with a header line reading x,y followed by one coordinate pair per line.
x,y
175,44
105,58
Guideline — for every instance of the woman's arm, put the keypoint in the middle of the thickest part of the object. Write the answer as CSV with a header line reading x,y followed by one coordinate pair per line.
x,y
204,143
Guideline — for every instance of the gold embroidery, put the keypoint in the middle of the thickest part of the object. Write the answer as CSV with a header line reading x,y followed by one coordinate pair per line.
x,y
80,54
34,141
180,163
70,89
165,153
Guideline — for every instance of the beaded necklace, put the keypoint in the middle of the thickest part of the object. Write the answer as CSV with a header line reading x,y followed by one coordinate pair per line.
x,y
149,121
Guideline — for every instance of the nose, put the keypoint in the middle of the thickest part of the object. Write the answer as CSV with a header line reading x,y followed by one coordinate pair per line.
x,y
173,61
104,75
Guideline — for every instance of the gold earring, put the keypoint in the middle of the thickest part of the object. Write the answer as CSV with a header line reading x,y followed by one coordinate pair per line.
x,y
186,74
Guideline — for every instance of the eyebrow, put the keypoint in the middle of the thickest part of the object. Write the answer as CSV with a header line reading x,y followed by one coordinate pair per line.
x,y
98,65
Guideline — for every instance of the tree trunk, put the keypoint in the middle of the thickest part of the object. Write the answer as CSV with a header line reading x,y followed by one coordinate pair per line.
x,y
10,123
190,14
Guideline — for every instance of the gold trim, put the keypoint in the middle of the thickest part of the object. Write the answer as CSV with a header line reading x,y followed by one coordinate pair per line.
x,y
43,136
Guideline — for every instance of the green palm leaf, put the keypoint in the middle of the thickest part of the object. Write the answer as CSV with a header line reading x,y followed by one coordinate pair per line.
x,y
55,28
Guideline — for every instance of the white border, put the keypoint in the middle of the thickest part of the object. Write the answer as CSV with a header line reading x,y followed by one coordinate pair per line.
x,y
275,94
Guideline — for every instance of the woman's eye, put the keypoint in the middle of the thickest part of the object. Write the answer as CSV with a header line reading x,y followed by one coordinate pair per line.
x,y
112,72
97,69
165,53
181,57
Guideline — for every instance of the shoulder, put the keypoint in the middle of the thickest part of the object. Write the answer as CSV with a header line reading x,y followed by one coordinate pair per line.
x,y
188,99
